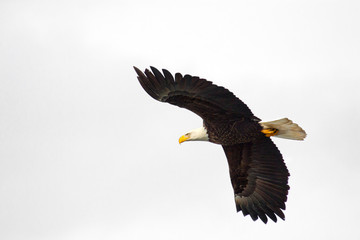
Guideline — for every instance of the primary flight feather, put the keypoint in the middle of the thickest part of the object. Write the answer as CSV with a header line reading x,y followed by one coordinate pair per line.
x,y
257,170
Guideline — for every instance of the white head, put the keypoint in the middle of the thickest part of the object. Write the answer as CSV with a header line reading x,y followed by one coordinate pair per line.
x,y
199,134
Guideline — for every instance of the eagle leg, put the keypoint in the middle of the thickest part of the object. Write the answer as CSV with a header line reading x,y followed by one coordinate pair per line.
x,y
270,131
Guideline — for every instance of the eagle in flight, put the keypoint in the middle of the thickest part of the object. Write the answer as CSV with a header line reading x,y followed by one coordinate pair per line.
x,y
258,173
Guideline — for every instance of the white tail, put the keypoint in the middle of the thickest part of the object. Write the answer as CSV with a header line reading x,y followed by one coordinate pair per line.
x,y
287,129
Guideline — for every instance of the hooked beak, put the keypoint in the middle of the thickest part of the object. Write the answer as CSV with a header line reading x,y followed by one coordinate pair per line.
x,y
183,139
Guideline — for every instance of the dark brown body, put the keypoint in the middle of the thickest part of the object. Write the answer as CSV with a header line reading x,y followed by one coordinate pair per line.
x,y
233,132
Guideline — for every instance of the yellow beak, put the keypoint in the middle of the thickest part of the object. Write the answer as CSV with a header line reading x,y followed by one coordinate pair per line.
x,y
183,139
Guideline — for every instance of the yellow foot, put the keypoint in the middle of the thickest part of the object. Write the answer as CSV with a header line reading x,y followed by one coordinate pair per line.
x,y
270,131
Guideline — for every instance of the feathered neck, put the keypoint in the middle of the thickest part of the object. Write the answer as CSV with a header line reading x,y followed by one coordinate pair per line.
x,y
198,134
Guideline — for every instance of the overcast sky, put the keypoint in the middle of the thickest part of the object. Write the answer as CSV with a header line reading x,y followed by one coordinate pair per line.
x,y
85,153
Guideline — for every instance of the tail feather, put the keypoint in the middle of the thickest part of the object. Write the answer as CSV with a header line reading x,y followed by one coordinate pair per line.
x,y
287,129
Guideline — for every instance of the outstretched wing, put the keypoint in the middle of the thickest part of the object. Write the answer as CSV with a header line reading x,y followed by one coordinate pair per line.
x,y
259,178
198,95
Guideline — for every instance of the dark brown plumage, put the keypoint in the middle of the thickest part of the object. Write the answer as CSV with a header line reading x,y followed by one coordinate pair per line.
x,y
258,173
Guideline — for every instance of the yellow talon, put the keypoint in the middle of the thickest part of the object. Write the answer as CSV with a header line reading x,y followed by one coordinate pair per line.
x,y
270,131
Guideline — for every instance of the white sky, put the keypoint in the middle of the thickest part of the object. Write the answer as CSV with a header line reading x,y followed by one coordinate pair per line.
x,y
85,153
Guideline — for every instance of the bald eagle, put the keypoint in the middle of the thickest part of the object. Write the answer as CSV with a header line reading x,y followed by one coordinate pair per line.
x,y
258,173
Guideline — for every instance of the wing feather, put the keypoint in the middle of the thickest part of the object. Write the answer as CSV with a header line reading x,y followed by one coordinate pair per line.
x,y
202,97
259,178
